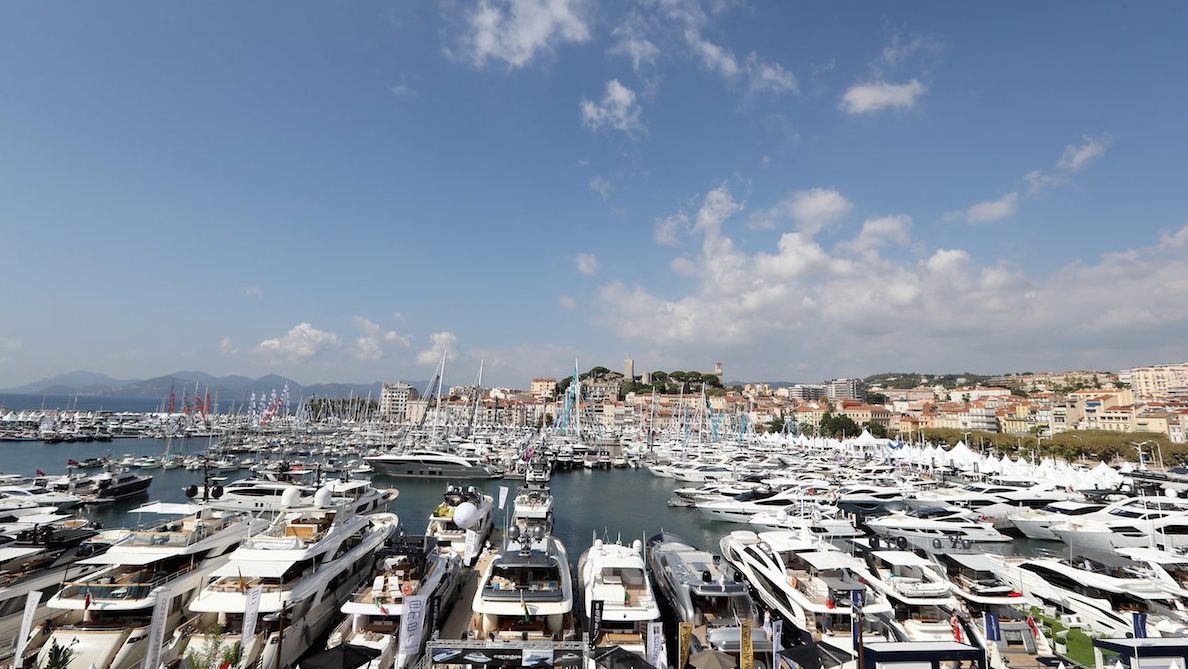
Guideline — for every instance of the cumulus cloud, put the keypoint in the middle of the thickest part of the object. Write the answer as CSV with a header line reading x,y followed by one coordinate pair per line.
x,y
226,347
516,31
618,109
370,346
767,77
876,96
566,302
1077,156
586,263
854,307
809,210
881,231
993,210
302,343
667,231
441,343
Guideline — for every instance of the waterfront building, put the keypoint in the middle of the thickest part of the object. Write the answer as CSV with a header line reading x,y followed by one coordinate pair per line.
x,y
543,387
394,398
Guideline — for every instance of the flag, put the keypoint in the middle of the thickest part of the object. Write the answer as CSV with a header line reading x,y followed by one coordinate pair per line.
x,y
242,583
1139,620
87,601
40,473
72,463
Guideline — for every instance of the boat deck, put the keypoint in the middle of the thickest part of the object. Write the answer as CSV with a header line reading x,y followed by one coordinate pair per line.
x,y
457,624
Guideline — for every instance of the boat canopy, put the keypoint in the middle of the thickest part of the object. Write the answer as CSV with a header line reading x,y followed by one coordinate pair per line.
x,y
255,568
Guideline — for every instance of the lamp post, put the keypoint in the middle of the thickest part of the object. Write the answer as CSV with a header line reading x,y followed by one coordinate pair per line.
x,y
1082,444
1139,446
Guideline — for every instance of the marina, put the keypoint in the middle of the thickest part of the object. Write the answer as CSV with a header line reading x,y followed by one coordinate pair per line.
x,y
691,548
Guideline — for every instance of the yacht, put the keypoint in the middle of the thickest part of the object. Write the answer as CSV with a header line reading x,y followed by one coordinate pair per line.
x,y
533,507
809,583
617,576
1102,590
448,533
426,463
106,614
976,581
712,596
937,529
701,472
411,574
106,486
307,561
1128,526
525,592
742,508
1037,523
40,496
922,600
979,495
829,529
40,558
266,495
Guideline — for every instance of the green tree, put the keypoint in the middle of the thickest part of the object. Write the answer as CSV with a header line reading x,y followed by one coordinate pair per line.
x,y
58,657
876,430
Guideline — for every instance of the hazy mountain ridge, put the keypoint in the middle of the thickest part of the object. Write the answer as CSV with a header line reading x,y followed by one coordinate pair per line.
x,y
232,387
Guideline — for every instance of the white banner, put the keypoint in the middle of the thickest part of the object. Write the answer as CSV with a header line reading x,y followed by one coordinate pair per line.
x,y
412,624
502,495
472,546
655,643
777,635
250,612
31,603
152,653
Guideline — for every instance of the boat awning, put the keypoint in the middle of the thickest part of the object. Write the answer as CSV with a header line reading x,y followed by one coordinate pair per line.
x,y
133,556
902,559
823,560
167,508
14,553
255,568
975,561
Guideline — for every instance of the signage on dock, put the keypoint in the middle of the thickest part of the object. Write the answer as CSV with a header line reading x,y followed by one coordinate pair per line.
x,y
412,623
655,642
502,496
1139,620
684,640
152,654
993,627
250,611
31,603
507,654
596,606
777,636
472,546
746,648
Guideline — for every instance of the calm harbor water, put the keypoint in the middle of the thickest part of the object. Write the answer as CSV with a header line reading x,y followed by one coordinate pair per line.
x,y
631,503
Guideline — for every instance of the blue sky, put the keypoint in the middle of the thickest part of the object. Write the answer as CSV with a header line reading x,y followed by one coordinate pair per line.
x,y
341,192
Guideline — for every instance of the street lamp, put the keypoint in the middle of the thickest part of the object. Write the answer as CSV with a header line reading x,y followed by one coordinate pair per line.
x,y
1081,442
1139,445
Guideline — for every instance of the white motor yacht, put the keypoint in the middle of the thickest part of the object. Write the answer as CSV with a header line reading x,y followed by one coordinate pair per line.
x,y
411,574
525,592
617,576
921,598
448,533
937,529
426,463
306,562
105,616
809,583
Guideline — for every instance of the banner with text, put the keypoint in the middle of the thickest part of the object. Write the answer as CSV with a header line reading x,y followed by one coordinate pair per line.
x,y
31,603
250,612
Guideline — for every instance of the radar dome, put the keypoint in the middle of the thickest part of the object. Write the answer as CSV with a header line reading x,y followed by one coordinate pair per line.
x,y
466,516
637,545
290,497
323,498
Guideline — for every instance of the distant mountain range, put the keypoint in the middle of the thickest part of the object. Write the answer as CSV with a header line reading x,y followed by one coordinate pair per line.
x,y
229,388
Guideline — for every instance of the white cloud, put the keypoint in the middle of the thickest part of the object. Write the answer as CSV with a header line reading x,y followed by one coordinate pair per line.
x,y
993,210
586,263
768,77
618,110
402,91
441,343
900,49
370,346
1077,157
566,302
253,291
669,229
301,344
716,58
879,95
602,187
1038,181
880,231
853,308
516,31
226,347
810,210
630,41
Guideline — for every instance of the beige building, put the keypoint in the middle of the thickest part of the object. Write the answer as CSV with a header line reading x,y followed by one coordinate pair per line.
x,y
1157,380
394,399
543,387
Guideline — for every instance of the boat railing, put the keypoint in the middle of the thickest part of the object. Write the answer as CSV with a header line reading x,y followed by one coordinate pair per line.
x,y
118,589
